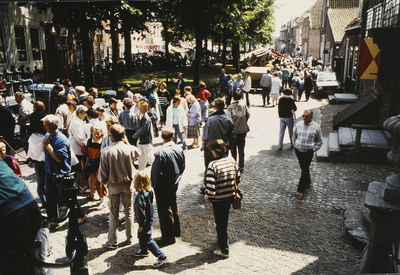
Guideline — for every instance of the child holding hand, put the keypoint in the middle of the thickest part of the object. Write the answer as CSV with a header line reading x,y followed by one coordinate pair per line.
x,y
10,160
144,213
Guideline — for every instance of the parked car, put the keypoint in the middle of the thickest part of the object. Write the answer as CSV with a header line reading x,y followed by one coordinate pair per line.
x,y
326,83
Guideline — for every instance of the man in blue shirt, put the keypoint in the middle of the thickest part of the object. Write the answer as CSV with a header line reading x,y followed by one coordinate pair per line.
x,y
223,83
57,163
126,88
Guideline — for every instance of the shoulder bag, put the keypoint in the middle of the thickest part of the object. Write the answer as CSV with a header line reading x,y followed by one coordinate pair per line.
x,y
237,199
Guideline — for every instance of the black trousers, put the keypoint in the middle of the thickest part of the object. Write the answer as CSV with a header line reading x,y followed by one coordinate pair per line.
x,y
168,213
304,159
129,133
18,232
265,94
239,148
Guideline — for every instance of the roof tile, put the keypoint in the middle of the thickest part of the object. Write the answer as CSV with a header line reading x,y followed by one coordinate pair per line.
x,y
339,19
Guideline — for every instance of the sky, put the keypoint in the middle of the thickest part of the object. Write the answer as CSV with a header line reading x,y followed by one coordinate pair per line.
x,y
286,9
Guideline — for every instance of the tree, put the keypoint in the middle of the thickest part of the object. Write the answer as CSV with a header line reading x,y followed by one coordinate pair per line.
x,y
74,17
133,16
196,19
82,18
232,22
245,21
114,13
167,12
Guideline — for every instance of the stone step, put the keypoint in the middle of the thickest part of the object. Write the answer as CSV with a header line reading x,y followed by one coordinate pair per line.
x,y
334,142
356,226
342,98
323,153
345,97
346,137
369,138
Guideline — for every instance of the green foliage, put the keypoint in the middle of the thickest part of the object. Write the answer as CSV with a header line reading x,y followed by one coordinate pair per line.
x,y
209,76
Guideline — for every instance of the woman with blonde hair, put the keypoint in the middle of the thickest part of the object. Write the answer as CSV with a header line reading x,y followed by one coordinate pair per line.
x,y
93,146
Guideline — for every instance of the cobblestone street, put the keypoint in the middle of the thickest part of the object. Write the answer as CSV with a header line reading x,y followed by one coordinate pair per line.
x,y
273,233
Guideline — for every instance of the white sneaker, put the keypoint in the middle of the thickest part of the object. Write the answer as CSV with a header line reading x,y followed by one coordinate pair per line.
x,y
103,203
219,253
160,262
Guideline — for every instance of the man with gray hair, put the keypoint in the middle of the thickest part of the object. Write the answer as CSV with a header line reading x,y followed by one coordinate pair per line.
x,y
117,171
307,139
24,113
57,164
265,83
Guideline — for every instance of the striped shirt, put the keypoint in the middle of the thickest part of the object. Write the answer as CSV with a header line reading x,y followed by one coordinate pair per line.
x,y
220,182
307,137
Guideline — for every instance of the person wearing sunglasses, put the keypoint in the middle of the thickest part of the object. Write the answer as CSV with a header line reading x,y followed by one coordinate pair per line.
x,y
307,139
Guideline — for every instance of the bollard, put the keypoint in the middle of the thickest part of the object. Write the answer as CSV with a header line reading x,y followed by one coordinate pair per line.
x,y
382,254
76,246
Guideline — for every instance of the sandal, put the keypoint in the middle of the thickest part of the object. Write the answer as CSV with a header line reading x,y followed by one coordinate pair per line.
x,y
90,198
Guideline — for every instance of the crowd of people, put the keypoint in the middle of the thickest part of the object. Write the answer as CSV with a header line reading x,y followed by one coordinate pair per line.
x,y
285,80
108,149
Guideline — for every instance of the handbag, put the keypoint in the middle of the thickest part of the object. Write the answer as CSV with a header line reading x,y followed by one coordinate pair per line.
x,y
237,198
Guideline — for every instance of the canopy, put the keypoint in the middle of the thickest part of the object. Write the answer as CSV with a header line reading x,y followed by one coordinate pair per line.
x,y
176,49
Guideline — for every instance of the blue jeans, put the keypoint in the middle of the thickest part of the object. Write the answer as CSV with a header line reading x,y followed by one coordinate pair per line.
x,y
285,83
40,179
228,99
239,147
285,122
24,132
54,197
181,136
18,232
204,110
146,243
221,214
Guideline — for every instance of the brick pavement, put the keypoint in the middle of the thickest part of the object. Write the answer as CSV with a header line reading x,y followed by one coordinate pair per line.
x,y
274,233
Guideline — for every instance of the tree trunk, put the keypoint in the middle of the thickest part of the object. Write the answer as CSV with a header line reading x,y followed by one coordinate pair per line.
x,y
87,58
115,46
197,59
236,56
166,38
207,64
224,42
128,50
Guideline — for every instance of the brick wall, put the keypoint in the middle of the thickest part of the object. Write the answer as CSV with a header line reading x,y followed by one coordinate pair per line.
x,y
314,42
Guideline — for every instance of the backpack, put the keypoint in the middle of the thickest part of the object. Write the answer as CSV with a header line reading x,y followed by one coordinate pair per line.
x,y
296,83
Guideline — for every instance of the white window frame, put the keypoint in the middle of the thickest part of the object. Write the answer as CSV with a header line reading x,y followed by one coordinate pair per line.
x,y
3,51
391,13
20,50
350,64
39,44
355,63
